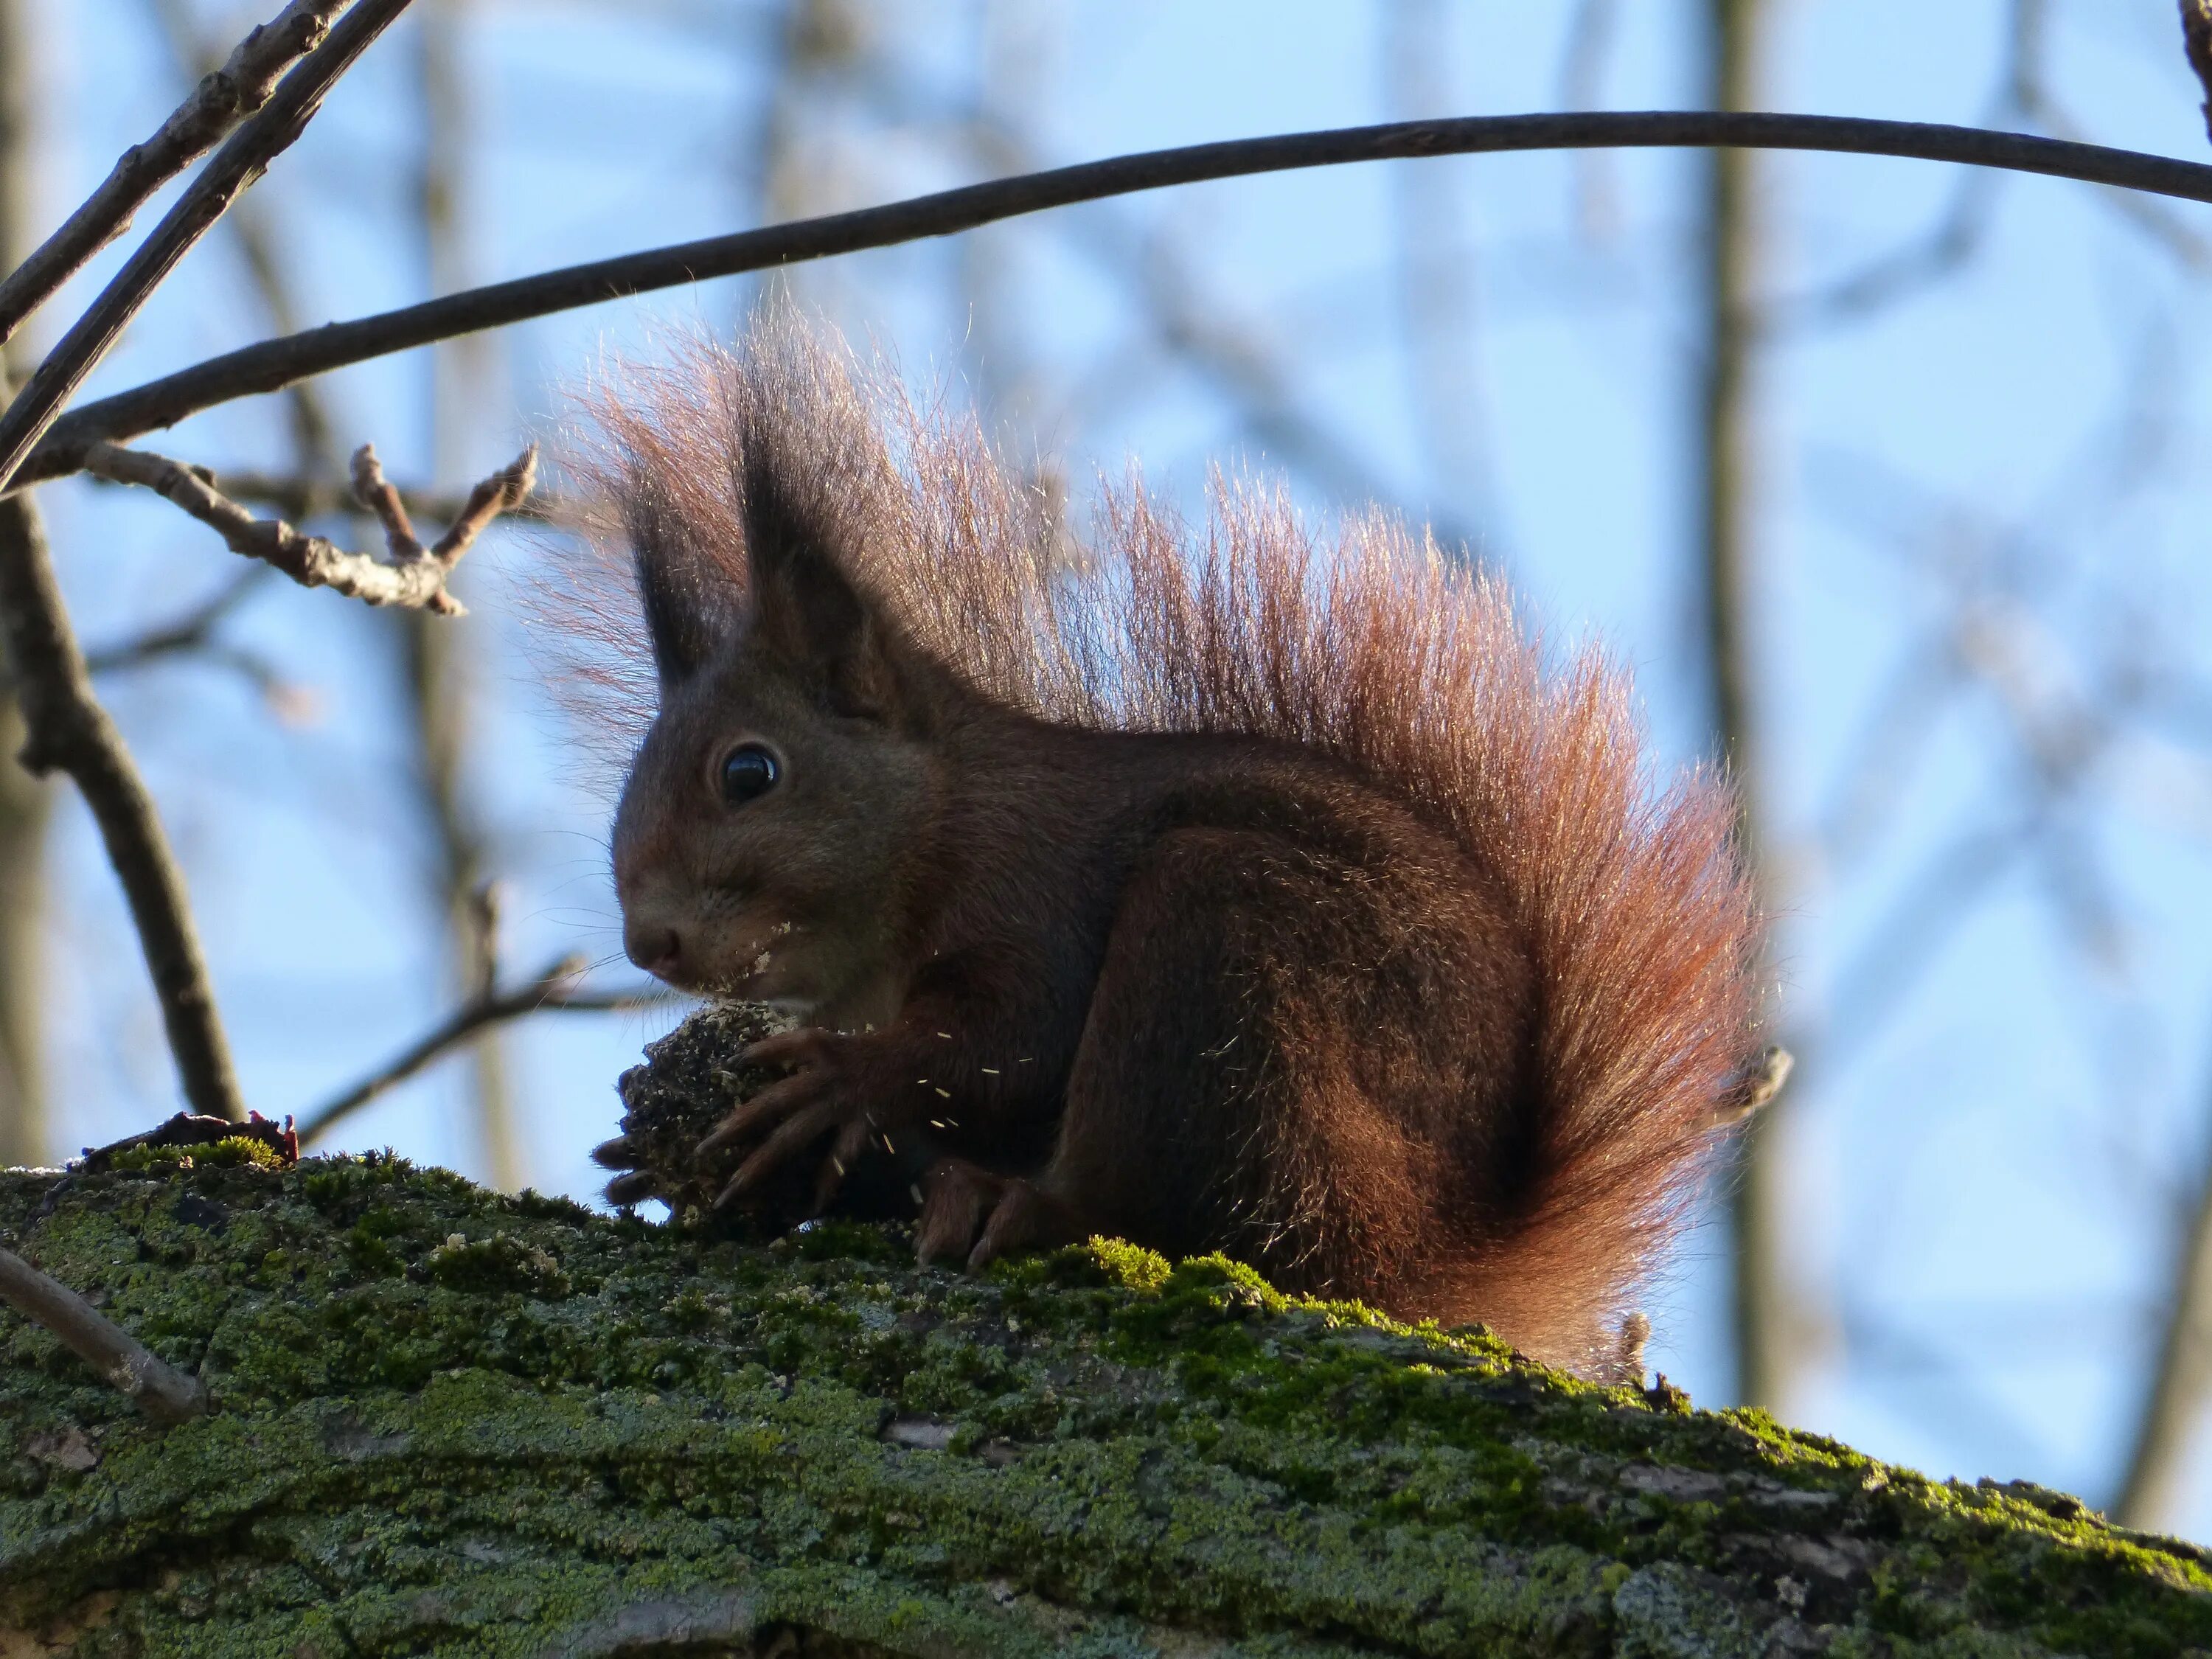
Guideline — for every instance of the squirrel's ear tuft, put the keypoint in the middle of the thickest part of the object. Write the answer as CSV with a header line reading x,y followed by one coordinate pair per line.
x,y
688,607
812,614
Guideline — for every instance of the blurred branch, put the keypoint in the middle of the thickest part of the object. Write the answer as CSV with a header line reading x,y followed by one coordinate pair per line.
x,y
438,660
551,992
1765,1311
222,99
1956,237
70,730
264,136
411,575
157,1388
190,632
193,635
273,364
26,802
2181,1376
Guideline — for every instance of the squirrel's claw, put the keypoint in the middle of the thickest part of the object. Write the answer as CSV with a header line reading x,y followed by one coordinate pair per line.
x,y
956,1197
803,1045
778,1100
634,1188
972,1214
616,1154
805,1124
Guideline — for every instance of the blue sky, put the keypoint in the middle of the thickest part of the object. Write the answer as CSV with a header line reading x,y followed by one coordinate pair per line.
x,y
2007,1105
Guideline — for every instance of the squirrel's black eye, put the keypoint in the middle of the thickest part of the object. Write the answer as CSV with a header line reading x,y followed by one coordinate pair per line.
x,y
749,772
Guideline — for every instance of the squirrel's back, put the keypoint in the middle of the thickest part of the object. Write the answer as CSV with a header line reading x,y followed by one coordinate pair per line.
x,y
1366,646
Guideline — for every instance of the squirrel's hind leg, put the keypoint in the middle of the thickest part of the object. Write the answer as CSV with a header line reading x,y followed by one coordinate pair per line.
x,y
1222,1096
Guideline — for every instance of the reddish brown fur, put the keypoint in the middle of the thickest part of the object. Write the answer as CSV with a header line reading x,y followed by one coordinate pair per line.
x,y
1275,896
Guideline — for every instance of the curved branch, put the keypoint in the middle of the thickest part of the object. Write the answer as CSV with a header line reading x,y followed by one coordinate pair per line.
x,y
274,364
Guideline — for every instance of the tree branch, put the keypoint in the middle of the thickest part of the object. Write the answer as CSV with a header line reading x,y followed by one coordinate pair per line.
x,y
157,1388
222,99
412,576
270,131
297,496
69,729
548,991
272,365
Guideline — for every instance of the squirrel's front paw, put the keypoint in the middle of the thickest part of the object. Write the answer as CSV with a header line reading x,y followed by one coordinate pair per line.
x,y
968,1211
827,1091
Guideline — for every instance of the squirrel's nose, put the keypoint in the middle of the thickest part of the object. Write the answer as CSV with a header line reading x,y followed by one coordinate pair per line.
x,y
655,948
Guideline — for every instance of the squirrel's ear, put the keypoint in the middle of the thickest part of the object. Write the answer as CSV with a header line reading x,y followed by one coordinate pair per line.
x,y
813,615
689,609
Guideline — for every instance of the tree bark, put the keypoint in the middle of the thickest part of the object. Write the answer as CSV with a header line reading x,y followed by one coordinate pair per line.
x,y
449,1421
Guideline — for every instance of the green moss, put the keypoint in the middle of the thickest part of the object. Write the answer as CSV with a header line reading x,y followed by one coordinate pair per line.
x,y
453,1422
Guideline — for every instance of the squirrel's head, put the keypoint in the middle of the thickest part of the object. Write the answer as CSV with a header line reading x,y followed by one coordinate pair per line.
x,y
765,834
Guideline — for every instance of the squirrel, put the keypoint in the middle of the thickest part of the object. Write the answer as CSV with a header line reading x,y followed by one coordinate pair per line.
x,y
1231,890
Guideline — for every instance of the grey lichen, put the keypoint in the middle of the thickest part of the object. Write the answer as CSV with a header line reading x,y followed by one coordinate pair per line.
x,y
452,1422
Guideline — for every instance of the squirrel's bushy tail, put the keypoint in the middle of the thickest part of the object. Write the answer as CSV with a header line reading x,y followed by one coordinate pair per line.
x,y
1369,646
1377,650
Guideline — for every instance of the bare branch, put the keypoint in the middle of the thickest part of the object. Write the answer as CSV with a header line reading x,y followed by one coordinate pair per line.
x,y
67,729
272,365
272,130
157,1388
552,991
299,495
2196,40
219,102
413,576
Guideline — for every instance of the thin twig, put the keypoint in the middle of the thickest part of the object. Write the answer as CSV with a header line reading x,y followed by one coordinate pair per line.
x,y
2196,40
70,730
221,101
411,575
272,365
548,991
154,1386
296,496
272,130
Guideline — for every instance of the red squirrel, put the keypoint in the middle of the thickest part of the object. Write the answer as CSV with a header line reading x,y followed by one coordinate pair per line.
x,y
1216,889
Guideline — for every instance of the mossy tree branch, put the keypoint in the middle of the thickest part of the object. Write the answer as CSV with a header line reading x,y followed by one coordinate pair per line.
x,y
451,1421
